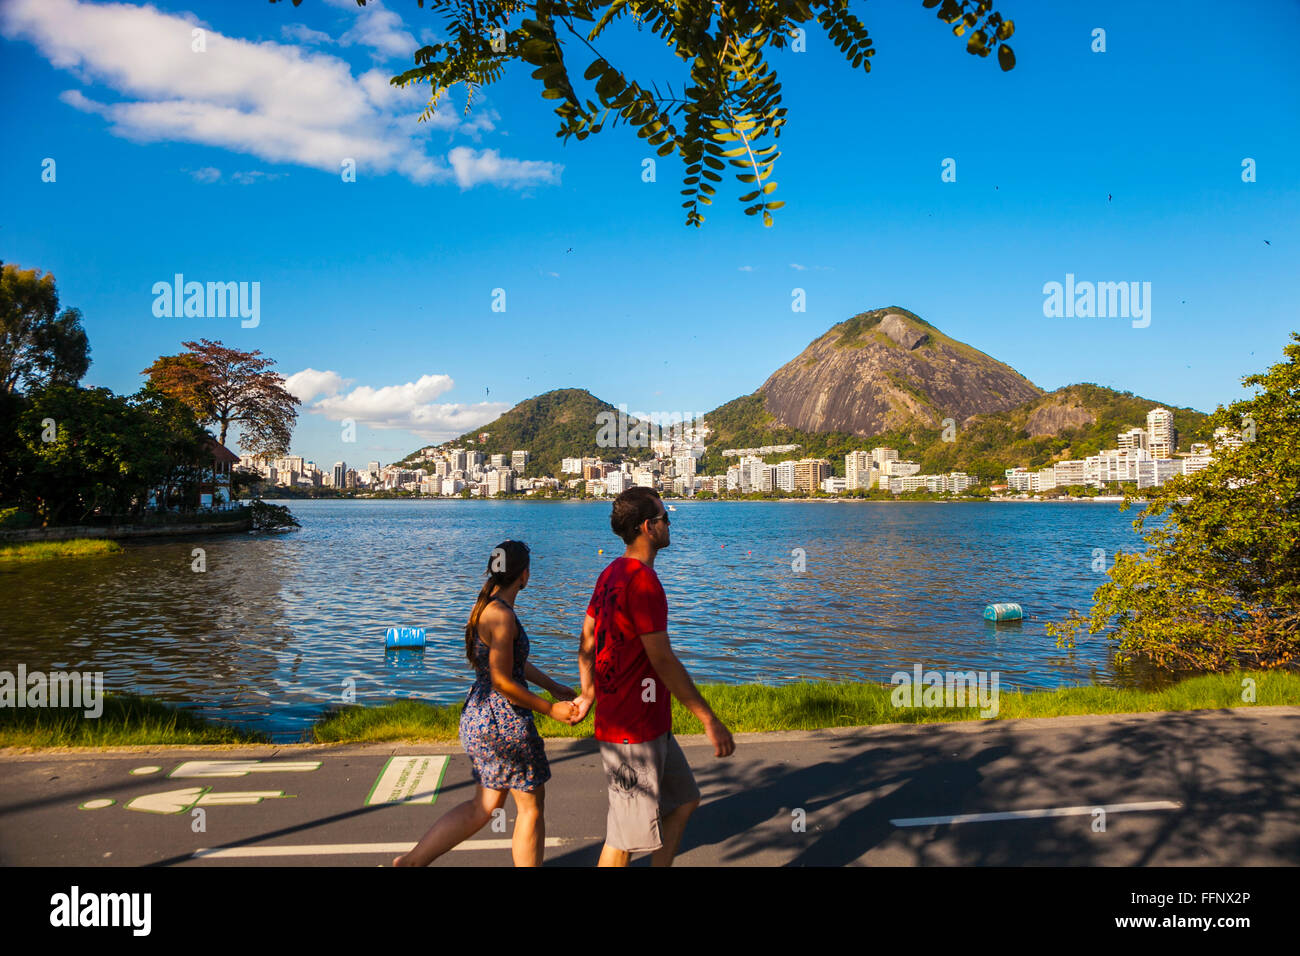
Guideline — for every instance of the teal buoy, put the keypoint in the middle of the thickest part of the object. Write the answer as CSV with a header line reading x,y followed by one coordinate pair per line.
x,y
1003,612
404,637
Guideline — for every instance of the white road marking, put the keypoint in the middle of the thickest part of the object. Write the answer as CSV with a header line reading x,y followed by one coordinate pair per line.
x,y
239,768
408,780
1037,814
98,804
143,770
330,849
178,801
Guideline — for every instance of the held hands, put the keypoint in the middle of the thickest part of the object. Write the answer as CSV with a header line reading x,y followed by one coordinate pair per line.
x,y
569,707
580,708
562,711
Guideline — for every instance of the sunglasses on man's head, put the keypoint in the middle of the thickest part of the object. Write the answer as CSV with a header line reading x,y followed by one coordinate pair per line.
x,y
663,517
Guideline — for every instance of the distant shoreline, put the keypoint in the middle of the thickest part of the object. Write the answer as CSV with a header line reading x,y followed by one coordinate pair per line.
x,y
1101,499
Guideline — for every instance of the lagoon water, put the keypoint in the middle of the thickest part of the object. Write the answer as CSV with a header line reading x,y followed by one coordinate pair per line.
x,y
267,636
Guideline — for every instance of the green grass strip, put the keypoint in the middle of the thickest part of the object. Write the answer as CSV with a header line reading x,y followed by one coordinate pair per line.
x,y
815,705
48,550
127,721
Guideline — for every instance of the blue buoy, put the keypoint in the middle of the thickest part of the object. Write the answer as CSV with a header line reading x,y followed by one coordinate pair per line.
x,y
404,637
1003,612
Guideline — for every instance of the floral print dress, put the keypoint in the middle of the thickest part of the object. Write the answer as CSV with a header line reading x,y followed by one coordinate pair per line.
x,y
500,738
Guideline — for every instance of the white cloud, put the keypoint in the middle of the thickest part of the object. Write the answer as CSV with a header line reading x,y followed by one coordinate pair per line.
x,y
301,33
410,406
208,174
746,268
377,28
473,167
310,383
279,102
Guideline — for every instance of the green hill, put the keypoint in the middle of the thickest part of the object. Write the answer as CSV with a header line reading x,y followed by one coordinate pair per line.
x,y
552,426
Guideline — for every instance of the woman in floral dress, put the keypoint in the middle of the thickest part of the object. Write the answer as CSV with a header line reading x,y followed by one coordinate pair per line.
x,y
496,728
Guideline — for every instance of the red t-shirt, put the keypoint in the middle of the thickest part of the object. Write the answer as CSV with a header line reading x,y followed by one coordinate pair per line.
x,y
628,601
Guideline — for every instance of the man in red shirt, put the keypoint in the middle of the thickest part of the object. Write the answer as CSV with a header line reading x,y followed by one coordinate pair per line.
x,y
630,672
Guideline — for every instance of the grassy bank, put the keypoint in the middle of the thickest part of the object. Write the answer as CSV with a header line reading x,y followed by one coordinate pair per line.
x,y
126,721
132,721
49,550
812,706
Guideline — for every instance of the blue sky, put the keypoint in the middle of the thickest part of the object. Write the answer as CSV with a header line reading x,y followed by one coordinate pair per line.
x,y
376,294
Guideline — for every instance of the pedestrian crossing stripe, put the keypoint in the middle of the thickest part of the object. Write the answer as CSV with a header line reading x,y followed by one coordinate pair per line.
x,y
408,780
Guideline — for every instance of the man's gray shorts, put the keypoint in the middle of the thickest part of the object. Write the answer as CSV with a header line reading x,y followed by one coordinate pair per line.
x,y
646,782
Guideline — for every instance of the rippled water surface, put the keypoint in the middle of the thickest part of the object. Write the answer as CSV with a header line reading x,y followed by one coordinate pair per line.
x,y
268,634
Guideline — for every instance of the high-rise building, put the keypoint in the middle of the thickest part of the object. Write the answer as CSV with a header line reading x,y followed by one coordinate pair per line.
x,y
519,460
785,475
616,482
857,469
879,468
1162,437
809,473
339,475
373,468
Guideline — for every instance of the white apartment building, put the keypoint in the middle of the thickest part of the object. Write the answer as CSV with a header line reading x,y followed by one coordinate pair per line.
x,y
896,468
1156,471
857,470
1227,438
1113,465
1066,473
1161,435
785,475
831,485
1134,439
1020,479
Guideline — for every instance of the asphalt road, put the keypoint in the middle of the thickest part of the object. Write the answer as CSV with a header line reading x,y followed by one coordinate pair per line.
x,y
1211,788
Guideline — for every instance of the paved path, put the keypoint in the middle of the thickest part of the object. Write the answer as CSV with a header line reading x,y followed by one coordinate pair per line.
x,y
1217,788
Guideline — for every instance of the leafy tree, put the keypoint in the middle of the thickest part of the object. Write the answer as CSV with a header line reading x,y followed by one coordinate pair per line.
x,y
39,345
272,517
84,452
224,386
730,108
1219,586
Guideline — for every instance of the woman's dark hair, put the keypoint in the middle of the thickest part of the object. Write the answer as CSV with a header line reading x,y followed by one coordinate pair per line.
x,y
631,508
507,563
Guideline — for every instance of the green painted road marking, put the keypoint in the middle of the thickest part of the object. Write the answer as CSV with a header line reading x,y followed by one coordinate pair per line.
x,y
408,780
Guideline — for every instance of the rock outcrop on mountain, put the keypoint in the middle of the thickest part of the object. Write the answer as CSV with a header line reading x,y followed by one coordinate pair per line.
x,y
1056,417
888,369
